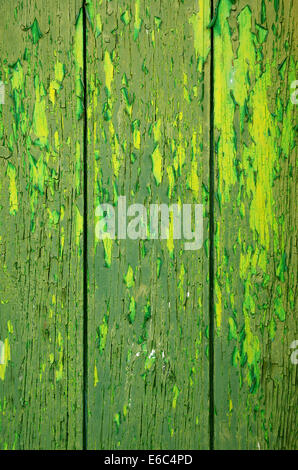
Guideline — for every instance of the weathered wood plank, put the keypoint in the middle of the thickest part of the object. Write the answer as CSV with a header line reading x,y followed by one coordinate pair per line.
x,y
256,259
148,139
41,225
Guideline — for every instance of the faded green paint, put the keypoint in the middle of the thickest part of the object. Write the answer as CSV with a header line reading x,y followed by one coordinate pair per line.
x,y
148,110
41,265
256,268
148,138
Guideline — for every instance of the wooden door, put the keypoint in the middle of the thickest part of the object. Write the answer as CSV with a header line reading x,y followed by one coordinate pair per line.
x,y
137,342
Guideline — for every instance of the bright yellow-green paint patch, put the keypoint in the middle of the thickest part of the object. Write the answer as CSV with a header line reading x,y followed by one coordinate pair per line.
x,y
10,327
109,70
79,226
95,376
137,139
108,248
199,21
193,180
116,151
98,24
157,162
176,394
7,358
218,304
17,80
13,195
129,277
59,71
138,20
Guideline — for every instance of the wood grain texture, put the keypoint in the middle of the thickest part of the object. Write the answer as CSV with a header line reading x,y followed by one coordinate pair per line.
x,y
41,225
148,73
256,251
119,330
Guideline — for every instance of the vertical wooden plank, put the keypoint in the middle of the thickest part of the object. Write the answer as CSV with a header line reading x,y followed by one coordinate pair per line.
x,y
41,208
148,139
256,262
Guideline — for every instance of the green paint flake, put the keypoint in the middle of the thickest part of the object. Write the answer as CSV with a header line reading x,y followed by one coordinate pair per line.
x,y
132,310
157,165
79,226
262,33
279,310
108,250
78,41
13,195
98,25
282,267
272,329
38,173
147,313
7,358
176,395
96,380
17,79
54,217
35,31
59,71
158,266
125,17
129,278
136,134
109,71
138,21
157,22
117,420
233,329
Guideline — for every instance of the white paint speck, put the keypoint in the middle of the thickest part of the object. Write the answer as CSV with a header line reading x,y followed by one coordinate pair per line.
x,y
152,354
